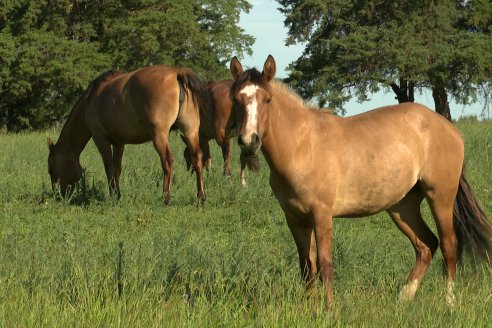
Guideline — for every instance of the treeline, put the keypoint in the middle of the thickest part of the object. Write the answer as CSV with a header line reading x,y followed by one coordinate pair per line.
x,y
51,49
355,48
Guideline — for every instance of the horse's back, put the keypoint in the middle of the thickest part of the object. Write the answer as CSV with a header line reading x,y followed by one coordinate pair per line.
x,y
399,123
385,152
126,108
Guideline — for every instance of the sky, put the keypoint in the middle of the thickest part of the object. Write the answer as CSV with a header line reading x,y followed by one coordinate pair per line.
x,y
265,23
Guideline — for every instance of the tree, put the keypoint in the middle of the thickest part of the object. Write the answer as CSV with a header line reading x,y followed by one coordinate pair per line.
x,y
51,50
358,47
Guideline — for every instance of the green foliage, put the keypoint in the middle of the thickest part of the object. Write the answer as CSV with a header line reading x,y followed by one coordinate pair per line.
x,y
51,50
94,261
356,47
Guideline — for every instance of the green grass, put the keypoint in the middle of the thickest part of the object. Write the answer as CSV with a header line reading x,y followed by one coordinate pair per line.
x,y
97,262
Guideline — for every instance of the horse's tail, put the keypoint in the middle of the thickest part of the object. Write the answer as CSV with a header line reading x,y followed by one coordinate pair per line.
x,y
472,227
188,80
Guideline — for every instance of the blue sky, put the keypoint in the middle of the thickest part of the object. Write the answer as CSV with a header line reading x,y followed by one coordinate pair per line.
x,y
265,23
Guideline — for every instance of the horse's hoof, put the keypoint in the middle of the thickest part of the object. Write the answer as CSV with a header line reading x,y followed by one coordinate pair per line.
x,y
201,200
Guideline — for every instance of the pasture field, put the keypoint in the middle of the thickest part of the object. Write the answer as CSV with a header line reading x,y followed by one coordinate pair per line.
x,y
96,262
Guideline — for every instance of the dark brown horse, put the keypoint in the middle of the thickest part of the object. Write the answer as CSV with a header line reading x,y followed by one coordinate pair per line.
x,y
131,108
389,159
217,121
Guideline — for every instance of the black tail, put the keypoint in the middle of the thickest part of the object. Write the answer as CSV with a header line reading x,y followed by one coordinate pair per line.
x,y
473,228
189,81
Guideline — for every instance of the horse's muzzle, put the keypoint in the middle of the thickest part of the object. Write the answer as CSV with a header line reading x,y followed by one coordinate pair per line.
x,y
250,148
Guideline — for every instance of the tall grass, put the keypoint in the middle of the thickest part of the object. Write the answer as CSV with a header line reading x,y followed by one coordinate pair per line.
x,y
94,261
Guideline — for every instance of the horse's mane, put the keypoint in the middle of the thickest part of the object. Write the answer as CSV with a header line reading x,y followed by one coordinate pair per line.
x,y
104,77
293,96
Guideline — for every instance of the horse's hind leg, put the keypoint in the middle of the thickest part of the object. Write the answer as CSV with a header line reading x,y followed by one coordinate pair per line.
x,y
206,158
441,204
193,144
161,145
407,217
117,159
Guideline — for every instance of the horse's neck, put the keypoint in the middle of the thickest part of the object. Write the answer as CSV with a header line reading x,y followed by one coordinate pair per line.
x,y
288,127
75,134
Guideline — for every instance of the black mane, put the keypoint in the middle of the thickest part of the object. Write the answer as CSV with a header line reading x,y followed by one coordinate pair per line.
x,y
251,75
104,77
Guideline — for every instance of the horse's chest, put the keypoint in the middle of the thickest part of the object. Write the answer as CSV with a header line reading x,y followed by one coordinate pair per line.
x,y
293,201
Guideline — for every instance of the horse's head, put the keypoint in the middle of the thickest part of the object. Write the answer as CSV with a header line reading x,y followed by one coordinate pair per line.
x,y
64,170
251,96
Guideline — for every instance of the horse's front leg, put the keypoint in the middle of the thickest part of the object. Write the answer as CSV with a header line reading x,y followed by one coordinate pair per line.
x,y
323,227
117,159
226,154
104,148
303,233
225,146
242,175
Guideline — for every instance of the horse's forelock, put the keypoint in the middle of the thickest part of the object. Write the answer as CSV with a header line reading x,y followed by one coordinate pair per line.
x,y
253,76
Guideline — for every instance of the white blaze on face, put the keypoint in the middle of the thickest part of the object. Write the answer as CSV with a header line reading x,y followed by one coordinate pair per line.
x,y
251,111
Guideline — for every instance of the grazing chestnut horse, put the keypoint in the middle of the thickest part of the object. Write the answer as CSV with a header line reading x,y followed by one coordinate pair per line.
x,y
389,159
131,108
217,121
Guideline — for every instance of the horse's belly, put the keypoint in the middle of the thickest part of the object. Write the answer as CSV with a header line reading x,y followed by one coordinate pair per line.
x,y
126,127
131,136
373,194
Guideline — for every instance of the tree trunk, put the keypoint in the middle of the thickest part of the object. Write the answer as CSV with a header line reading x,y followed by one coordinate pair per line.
x,y
441,99
404,91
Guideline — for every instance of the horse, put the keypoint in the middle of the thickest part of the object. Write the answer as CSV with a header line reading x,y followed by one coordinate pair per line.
x,y
217,121
120,108
389,159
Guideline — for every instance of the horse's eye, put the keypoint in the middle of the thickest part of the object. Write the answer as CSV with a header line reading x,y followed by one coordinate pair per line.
x,y
269,100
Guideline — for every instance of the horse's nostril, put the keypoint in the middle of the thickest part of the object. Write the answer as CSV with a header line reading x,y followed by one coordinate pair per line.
x,y
255,139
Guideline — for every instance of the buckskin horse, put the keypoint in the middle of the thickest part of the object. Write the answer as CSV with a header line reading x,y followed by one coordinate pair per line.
x,y
389,159
217,121
131,108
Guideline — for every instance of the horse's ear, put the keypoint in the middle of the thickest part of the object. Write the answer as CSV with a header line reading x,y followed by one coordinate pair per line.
x,y
236,68
269,68
50,144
